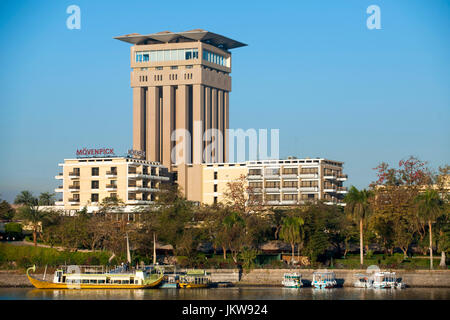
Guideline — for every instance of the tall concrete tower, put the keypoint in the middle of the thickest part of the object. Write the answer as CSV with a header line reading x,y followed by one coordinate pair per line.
x,y
181,80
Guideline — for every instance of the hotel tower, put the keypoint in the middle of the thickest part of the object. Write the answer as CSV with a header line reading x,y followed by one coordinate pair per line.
x,y
180,80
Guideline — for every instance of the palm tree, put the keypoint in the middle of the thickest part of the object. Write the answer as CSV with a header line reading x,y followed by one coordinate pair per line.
x,y
291,231
46,199
34,216
430,207
26,198
358,207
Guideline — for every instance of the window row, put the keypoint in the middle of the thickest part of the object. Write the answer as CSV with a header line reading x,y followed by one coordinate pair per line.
x,y
166,55
215,58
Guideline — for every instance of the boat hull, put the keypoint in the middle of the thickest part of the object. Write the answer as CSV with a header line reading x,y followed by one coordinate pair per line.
x,y
192,285
42,284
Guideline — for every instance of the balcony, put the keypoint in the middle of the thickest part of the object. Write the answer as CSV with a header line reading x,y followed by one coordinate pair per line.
x,y
59,203
272,190
342,190
74,188
141,188
59,189
74,201
289,202
342,177
330,189
59,176
254,177
289,176
309,175
330,176
74,175
111,174
309,189
254,190
289,189
272,202
111,187
142,202
272,176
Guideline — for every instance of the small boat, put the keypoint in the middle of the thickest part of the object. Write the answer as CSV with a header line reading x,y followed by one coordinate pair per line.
x,y
386,280
323,280
93,277
292,280
195,279
170,281
363,281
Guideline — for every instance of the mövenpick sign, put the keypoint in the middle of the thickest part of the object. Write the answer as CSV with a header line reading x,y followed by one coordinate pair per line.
x,y
95,152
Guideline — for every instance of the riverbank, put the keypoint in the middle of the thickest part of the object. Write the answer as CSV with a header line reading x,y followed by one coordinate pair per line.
x,y
272,277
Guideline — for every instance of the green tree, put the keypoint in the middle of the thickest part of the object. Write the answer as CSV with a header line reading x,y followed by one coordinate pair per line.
x,y
34,216
6,211
358,207
26,198
46,199
291,231
430,207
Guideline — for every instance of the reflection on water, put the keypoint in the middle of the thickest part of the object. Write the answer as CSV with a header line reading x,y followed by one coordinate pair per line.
x,y
235,293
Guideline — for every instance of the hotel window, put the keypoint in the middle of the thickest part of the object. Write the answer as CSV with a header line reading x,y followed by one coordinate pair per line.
x,y
95,171
272,171
166,55
215,58
272,197
255,172
215,200
309,183
255,184
94,197
113,195
94,184
290,171
215,175
290,184
272,184
309,170
215,188
290,197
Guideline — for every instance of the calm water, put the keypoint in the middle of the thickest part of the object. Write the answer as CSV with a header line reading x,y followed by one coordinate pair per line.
x,y
235,293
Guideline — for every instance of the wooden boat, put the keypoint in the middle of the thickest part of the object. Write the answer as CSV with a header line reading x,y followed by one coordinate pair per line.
x,y
292,280
195,279
323,280
94,279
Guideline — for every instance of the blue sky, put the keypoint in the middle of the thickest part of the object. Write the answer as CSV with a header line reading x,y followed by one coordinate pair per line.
x,y
334,88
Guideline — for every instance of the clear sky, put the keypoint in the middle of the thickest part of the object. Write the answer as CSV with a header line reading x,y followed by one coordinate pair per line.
x,y
334,88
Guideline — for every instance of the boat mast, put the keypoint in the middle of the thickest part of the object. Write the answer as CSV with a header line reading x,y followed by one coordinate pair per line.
x,y
128,251
154,248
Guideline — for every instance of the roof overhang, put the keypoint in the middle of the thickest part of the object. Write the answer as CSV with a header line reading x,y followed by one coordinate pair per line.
x,y
204,36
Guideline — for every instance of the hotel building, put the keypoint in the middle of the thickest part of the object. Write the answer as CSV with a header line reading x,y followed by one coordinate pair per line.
x,y
86,182
181,82
276,182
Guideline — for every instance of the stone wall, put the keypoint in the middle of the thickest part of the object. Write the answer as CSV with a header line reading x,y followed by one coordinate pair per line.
x,y
418,278
273,277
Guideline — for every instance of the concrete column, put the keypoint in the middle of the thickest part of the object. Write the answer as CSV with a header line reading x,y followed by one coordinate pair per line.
x,y
220,126
208,118
168,125
214,123
197,118
226,104
153,122
182,117
138,118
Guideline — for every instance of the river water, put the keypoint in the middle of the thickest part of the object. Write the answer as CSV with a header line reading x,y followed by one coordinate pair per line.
x,y
233,293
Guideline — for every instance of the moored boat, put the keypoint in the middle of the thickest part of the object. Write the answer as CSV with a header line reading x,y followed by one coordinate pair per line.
x,y
93,277
386,280
292,280
323,280
363,281
195,279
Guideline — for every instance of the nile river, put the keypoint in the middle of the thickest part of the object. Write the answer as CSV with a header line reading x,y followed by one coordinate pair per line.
x,y
234,293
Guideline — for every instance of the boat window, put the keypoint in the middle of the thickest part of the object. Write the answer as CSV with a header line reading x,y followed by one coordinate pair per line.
x,y
117,281
85,281
101,281
92,281
125,281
